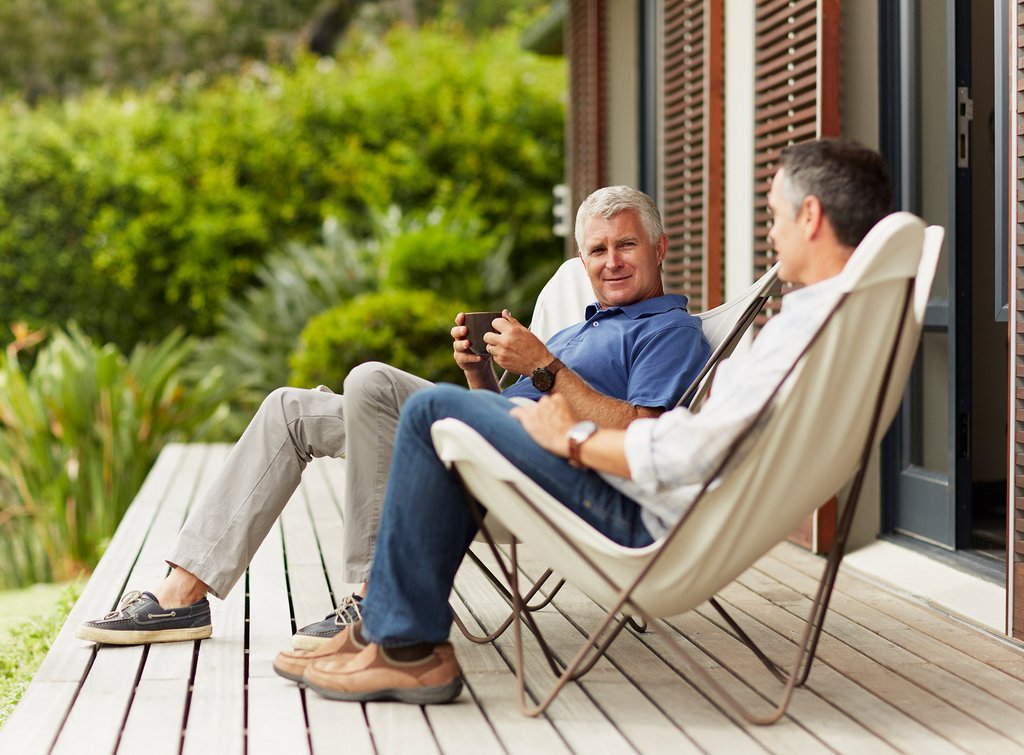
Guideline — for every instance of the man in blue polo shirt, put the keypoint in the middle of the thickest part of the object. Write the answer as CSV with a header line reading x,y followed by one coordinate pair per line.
x,y
632,357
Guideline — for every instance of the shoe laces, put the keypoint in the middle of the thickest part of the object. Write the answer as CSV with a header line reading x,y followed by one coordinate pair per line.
x,y
348,606
129,599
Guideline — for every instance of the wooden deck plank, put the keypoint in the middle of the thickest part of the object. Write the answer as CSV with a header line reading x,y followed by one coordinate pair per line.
x,y
335,726
106,698
216,712
579,719
94,724
276,720
996,697
844,715
155,718
490,684
270,621
311,598
68,658
872,708
33,726
893,675
969,701
858,664
1000,653
162,694
324,486
787,734
398,729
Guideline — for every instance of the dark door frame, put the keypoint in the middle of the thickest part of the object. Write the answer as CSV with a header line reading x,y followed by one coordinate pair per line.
x,y
898,125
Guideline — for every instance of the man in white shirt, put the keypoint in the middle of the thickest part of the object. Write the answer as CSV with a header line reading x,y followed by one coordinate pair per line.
x,y
631,484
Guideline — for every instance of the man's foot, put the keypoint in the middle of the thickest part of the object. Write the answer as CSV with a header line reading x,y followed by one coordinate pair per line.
x,y
372,675
342,647
140,619
315,635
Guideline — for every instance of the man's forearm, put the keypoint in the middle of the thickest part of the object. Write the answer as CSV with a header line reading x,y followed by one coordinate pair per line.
x,y
588,403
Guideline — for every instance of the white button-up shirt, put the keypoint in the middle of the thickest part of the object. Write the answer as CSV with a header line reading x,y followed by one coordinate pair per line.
x,y
671,456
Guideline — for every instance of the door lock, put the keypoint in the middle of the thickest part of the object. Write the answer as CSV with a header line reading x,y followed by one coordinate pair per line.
x,y
964,116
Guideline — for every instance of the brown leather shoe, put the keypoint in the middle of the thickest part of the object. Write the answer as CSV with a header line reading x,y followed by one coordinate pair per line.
x,y
291,663
372,675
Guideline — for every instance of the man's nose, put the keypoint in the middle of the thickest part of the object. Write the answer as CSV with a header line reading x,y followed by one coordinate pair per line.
x,y
614,259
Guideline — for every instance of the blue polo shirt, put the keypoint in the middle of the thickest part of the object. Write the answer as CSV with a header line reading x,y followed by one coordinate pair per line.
x,y
645,353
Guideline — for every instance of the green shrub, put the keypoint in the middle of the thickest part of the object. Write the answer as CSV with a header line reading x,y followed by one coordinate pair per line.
x,y
445,257
260,328
410,330
132,212
24,647
78,434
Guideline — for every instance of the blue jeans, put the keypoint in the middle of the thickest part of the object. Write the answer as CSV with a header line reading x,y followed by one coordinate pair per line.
x,y
426,525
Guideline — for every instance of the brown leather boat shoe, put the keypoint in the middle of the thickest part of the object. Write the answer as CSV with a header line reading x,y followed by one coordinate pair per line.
x,y
372,675
342,647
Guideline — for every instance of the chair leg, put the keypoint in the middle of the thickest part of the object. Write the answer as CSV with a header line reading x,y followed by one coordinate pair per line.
x,y
589,653
496,583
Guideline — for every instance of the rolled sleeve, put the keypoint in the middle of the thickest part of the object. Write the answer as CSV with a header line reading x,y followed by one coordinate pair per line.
x,y
639,446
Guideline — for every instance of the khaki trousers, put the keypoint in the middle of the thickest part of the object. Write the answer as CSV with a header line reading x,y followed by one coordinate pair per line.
x,y
292,427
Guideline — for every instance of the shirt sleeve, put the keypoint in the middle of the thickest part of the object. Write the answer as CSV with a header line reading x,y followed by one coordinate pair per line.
x,y
682,448
665,363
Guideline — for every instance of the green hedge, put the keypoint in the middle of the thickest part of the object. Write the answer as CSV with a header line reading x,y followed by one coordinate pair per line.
x,y
133,213
410,330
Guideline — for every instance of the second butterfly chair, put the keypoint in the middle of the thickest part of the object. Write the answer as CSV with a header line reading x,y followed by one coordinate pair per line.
x,y
561,303
815,431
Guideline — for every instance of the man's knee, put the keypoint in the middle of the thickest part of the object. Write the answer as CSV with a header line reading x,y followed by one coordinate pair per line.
x,y
370,379
287,404
436,402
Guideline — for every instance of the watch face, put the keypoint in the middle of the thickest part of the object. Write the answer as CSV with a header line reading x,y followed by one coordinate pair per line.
x,y
542,380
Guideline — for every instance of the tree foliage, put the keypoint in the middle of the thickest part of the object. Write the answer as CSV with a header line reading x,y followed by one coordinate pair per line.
x,y
134,213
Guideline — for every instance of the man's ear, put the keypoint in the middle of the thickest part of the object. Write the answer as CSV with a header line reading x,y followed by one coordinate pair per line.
x,y
661,248
813,216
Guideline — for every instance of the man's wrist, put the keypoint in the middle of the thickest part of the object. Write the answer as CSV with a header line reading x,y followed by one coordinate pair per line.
x,y
579,434
543,378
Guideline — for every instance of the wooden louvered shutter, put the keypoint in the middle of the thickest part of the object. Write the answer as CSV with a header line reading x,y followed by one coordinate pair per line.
x,y
796,99
693,150
1016,576
796,92
585,132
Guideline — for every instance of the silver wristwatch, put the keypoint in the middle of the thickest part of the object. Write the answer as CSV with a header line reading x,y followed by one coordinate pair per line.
x,y
578,435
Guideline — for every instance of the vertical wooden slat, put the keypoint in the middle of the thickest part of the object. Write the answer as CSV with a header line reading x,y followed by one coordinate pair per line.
x,y
1015,612
796,92
585,132
796,99
693,149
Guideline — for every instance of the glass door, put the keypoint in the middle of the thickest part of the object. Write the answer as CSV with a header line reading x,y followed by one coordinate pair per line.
x,y
926,122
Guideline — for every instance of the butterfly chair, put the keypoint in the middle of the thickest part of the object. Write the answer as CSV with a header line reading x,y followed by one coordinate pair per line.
x,y
559,305
832,406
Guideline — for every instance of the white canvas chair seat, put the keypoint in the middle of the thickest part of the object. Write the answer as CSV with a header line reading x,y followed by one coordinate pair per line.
x,y
818,431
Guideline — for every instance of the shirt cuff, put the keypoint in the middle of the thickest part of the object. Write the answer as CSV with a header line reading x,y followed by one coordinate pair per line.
x,y
639,446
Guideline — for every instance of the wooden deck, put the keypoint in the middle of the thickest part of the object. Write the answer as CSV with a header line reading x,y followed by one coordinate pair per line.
x,y
892,676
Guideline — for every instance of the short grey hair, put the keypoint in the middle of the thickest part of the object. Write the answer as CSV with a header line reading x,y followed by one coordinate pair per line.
x,y
611,200
851,182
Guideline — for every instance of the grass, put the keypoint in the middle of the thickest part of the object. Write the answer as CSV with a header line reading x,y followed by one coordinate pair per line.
x,y
32,618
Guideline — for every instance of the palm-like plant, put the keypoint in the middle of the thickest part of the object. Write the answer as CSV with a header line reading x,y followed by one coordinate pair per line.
x,y
79,431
